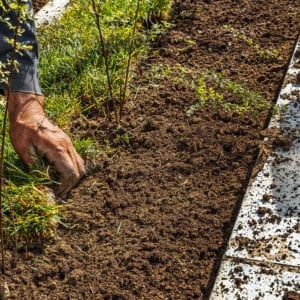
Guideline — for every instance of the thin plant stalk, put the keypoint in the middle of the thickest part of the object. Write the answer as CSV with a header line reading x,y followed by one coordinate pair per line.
x,y
123,96
3,133
105,56
15,238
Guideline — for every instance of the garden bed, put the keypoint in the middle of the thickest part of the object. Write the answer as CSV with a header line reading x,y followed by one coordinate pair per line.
x,y
152,219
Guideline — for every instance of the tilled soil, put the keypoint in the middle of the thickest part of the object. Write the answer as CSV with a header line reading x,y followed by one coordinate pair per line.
x,y
38,4
153,218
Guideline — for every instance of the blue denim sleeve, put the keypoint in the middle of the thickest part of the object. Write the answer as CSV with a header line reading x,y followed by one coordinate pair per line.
x,y
26,77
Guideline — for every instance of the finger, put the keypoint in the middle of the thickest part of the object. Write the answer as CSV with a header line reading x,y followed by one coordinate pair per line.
x,y
69,165
65,187
77,160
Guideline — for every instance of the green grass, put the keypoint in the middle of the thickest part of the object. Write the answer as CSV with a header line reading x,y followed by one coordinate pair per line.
x,y
27,214
74,81
72,64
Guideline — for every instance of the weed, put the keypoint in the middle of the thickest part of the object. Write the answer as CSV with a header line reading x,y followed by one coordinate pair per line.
x,y
262,53
205,94
87,148
157,73
177,72
229,95
122,138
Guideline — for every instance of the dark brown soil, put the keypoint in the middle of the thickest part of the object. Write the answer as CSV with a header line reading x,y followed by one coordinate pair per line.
x,y
38,4
291,296
153,219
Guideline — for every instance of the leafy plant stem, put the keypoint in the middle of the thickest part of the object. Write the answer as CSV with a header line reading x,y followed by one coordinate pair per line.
x,y
15,239
3,135
105,56
123,96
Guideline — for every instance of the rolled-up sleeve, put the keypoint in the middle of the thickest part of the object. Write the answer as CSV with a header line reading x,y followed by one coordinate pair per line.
x,y
25,78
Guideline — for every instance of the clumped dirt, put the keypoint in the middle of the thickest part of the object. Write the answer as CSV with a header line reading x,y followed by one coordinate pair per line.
x,y
38,4
291,296
152,219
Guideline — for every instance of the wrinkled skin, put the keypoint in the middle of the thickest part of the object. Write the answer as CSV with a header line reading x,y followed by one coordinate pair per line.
x,y
31,131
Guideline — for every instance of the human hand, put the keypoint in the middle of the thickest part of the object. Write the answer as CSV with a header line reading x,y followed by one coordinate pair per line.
x,y
31,131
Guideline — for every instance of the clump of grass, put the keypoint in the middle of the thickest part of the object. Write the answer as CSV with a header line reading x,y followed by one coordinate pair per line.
x,y
218,91
27,215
